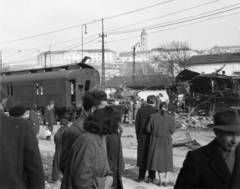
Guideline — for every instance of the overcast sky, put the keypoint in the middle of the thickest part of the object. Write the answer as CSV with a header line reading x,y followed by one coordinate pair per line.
x,y
25,18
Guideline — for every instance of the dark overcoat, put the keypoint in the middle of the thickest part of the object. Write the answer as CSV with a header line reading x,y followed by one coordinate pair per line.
x,y
160,156
58,151
20,161
49,115
87,163
142,119
33,116
69,137
206,168
115,158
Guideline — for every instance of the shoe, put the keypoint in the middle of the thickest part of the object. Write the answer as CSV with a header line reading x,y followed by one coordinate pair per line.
x,y
160,183
52,181
165,183
139,180
150,180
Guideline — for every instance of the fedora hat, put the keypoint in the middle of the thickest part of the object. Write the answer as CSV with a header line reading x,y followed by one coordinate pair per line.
x,y
226,121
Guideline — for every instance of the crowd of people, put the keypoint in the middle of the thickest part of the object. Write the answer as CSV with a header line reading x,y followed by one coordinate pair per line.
x,y
89,154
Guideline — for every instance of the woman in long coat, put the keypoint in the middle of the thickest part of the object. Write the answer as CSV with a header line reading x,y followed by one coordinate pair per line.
x,y
87,165
160,156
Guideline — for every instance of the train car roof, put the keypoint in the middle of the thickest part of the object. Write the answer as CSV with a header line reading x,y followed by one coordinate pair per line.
x,y
49,69
40,76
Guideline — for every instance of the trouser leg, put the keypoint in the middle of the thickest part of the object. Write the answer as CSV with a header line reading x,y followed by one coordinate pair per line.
x,y
142,172
50,127
151,174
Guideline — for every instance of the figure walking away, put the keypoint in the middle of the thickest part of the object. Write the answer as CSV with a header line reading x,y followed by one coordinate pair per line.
x,y
58,149
142,119
160,156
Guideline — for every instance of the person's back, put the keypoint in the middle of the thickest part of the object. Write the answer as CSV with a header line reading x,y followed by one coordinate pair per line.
x,y
69,136
20,160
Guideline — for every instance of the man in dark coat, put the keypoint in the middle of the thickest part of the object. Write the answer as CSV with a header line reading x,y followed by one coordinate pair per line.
x,y
58,150
216,165
143,137
49,116
20,160
34,118
91,101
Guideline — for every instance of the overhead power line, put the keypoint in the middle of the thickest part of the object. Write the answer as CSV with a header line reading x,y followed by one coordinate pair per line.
x,y
170,23
86,23
166,15
194,7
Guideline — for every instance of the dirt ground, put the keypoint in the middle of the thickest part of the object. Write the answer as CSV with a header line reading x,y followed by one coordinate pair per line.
x,y
202,136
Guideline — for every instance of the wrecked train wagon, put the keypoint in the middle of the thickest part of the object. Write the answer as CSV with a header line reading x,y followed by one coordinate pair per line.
x,y
207,93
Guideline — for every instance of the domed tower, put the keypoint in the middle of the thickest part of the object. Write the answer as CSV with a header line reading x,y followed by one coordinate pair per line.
x,y
143,41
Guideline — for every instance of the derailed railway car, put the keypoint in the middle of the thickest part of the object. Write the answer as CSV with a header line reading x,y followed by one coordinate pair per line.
x,y
206,93
64,85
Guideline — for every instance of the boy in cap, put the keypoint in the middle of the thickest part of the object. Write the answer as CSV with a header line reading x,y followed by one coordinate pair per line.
x,y
58,142
216,165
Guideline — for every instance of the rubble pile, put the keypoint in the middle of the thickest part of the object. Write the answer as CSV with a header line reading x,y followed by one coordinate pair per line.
x,y
182,121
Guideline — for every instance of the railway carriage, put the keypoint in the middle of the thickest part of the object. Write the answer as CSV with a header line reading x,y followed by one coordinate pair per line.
x,y
65,85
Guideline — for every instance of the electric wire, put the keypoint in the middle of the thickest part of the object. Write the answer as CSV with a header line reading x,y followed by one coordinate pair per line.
x,y
85,23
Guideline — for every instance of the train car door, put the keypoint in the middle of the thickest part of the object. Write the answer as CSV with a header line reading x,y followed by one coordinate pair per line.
x,y
79,94
39,94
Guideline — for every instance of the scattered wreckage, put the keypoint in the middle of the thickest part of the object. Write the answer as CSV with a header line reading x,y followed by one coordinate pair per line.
x,y
205,94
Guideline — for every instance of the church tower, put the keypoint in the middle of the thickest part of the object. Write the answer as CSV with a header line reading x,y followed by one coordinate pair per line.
x,y
143,41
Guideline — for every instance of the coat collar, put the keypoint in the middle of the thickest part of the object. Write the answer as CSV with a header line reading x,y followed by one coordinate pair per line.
x,y
236,172
149,106
220,167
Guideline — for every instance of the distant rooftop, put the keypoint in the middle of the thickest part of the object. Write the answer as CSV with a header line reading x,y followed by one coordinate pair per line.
x,y
214,58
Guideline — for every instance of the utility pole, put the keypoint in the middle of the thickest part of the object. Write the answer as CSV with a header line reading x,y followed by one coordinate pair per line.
x,y
134,54
82,36
1,67
103,57
50,56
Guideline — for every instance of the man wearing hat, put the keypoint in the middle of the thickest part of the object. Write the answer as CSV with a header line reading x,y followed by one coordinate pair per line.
x,y
216,165
20,161
50,118
58,150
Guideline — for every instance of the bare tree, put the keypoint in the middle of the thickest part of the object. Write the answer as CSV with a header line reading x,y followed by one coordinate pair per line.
x,y
173,56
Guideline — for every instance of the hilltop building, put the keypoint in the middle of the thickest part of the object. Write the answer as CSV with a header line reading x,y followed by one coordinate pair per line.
x,y
206,64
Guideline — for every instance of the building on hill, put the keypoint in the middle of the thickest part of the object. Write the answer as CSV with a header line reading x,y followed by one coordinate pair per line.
x,y
51,58
224,49
143,45
229,62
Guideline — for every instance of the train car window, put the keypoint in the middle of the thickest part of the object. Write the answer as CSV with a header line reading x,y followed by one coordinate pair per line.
x,y
41,88
87,85
80,87
11,90
37,89
8,90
